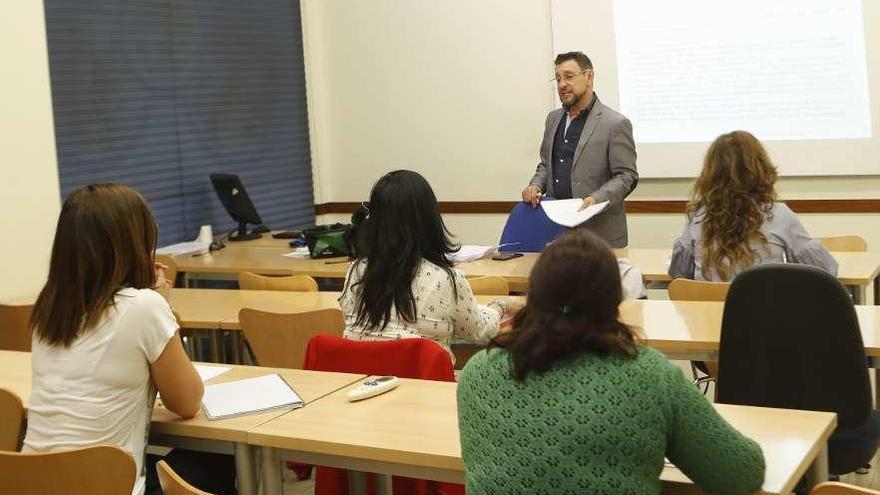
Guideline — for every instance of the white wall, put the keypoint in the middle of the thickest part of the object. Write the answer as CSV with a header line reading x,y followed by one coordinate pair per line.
x,y
29,195
458,90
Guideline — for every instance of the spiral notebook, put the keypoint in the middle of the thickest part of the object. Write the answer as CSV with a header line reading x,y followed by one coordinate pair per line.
x,y
252,395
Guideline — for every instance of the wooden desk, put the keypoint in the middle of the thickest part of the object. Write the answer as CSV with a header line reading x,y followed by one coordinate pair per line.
x,y
692,329
794,444
858,270
855,269
689,330
264,261
218,308
228,436
267,241
413,431
310,385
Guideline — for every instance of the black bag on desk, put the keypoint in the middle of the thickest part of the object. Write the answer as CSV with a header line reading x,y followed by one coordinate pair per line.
x,y
327,241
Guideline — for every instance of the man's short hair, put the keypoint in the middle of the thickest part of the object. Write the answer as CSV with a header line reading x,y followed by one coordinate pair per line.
x,y
582,60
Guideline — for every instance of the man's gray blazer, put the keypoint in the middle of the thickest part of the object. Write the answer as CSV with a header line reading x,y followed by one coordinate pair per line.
x,y
604,167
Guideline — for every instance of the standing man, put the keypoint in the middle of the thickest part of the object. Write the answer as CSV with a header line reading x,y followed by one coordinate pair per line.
x,y
588,151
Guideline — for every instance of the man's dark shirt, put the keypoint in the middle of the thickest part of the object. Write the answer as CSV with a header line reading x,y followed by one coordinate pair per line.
x,y
564,145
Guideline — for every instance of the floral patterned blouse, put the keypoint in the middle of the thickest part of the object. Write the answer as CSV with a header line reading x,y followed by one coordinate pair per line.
x,y
440,315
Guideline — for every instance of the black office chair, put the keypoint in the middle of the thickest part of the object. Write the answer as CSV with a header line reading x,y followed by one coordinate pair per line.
x,y
790,339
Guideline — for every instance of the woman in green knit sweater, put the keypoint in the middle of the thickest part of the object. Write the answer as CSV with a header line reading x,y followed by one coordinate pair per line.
x,y
569,402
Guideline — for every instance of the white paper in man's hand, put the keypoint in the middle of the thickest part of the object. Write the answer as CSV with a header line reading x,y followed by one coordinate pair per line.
x,y
565,211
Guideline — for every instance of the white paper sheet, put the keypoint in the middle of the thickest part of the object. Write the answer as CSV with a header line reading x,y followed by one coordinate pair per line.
x,y
184,248
252,395
565,211
299,253
472,253
208,372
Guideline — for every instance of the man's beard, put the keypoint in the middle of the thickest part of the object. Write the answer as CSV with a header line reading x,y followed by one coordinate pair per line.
x,y
568,105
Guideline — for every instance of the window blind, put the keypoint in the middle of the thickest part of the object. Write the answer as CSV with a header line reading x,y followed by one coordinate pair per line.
x,y
158,94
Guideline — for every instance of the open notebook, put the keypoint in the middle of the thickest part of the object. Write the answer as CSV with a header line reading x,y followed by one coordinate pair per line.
x,y
253,395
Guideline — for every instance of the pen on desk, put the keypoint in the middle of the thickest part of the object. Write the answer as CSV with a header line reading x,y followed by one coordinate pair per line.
x,y
336,262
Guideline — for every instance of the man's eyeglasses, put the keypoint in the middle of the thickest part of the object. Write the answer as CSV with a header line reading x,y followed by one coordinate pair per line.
x,y
568,77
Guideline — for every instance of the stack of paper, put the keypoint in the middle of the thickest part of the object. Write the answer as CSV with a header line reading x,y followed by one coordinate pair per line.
x,y
565,211
253,395
184,248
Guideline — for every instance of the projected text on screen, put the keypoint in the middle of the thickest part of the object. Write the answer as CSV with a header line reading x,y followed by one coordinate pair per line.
x,y
783,69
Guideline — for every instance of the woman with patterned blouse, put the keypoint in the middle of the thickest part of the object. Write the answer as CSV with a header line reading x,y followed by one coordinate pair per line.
x,y
403,284
568,401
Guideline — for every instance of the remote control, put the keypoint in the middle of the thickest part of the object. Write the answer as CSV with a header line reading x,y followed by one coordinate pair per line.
x,y
373,387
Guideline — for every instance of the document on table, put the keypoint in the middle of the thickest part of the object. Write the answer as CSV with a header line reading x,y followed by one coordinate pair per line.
x,y
298,253
469,252
253,395
208,372
184,248
565,211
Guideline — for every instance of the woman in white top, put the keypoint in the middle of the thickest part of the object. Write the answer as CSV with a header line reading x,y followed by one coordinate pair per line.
x,y
735,220
103,340
403,284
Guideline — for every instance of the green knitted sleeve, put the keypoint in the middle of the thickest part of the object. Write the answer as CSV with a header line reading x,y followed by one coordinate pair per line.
x,y
706,447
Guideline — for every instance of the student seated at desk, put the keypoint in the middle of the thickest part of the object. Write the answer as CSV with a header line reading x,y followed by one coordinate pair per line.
x,y
569,401
103,340
734,219
403,284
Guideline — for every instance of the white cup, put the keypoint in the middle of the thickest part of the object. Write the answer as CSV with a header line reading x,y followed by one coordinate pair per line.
x,y
206,234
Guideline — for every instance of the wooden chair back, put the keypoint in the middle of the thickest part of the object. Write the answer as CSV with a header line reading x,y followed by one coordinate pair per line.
x,y
280,340
683,289
489,286
292,283
15,332
105,469
172,484
171,272
834,488
11,420
851,243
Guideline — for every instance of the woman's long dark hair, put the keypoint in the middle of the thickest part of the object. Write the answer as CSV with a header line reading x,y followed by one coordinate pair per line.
x,y
105,239
402,227
572,307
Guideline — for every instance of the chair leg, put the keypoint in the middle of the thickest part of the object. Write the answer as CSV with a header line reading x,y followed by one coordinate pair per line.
x,y
694,372
699,379
704,381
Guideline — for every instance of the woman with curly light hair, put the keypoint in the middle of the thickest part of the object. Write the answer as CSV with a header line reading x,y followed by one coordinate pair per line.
x,y
734,219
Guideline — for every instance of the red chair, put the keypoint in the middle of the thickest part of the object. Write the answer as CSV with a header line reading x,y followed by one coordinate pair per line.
x,y
405,358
